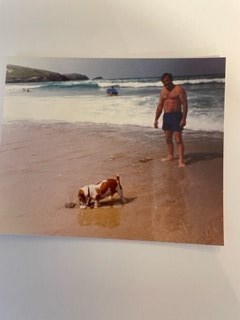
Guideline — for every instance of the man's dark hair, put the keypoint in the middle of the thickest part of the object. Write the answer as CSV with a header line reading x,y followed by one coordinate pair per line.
x,y
166,74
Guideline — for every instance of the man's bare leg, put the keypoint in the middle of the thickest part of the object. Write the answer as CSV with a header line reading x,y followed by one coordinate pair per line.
x,y
169,136
180,146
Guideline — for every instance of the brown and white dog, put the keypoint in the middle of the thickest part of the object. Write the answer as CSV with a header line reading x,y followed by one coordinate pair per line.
x,y
91,194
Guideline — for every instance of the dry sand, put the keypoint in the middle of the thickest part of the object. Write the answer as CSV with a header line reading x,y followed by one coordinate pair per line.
x,y
42,167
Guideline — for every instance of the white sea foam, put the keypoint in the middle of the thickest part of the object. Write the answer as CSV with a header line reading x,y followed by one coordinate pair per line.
x,y
203,122
129,84
199,81
86,101
103,84
119,110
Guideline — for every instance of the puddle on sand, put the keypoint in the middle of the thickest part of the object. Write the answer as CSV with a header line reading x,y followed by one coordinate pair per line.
x,y
102,217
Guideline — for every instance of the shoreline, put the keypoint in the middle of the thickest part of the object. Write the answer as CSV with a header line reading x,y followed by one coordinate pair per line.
x,y
43,165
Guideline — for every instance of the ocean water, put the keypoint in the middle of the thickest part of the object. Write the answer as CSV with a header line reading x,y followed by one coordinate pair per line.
x,y
87,101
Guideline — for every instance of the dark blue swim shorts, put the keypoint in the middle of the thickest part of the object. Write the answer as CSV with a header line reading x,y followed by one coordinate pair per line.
x,y
171,121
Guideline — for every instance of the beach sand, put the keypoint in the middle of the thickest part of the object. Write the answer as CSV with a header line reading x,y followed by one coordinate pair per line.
x,y
42,167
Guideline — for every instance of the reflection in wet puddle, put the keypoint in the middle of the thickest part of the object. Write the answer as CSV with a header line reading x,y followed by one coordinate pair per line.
x,y
102,217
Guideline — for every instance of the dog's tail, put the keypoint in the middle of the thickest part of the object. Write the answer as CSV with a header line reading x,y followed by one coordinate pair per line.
x,y
118,180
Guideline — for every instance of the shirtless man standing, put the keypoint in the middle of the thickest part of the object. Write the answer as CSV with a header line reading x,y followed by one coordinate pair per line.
x,y
173,101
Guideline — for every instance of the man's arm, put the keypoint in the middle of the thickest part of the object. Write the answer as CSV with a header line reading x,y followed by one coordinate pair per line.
x,y
158,112
183,99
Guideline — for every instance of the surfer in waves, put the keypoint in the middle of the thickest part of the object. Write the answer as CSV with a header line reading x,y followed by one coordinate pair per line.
x,y
112,91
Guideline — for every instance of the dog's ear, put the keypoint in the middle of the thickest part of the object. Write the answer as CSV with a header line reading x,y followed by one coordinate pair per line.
x,y
80,192
81,195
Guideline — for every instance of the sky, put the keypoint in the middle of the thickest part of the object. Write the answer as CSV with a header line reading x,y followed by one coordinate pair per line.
x,y
125,68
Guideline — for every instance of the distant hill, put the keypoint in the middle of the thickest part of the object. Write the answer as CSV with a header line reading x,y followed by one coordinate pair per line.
x,y
75,76
98,78
18,74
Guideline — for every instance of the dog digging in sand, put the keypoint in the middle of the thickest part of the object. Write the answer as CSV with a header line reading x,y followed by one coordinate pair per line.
x,y
90,195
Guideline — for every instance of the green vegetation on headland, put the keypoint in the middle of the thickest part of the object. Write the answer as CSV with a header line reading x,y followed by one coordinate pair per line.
x,y
18,74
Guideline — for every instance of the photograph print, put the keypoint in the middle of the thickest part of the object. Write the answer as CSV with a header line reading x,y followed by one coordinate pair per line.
x,y
127,149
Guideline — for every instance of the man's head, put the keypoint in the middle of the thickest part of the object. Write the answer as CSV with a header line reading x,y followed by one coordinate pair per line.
x,y
167,79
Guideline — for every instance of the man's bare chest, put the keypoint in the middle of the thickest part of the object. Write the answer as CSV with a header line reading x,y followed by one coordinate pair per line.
x,y
172,95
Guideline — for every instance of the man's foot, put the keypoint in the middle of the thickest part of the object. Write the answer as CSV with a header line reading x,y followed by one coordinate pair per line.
x,y
168,158
181,164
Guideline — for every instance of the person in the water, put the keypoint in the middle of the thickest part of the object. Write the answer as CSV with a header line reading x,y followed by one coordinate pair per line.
x,y
112,91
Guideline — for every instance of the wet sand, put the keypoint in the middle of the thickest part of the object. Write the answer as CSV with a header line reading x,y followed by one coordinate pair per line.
x,y
42,167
